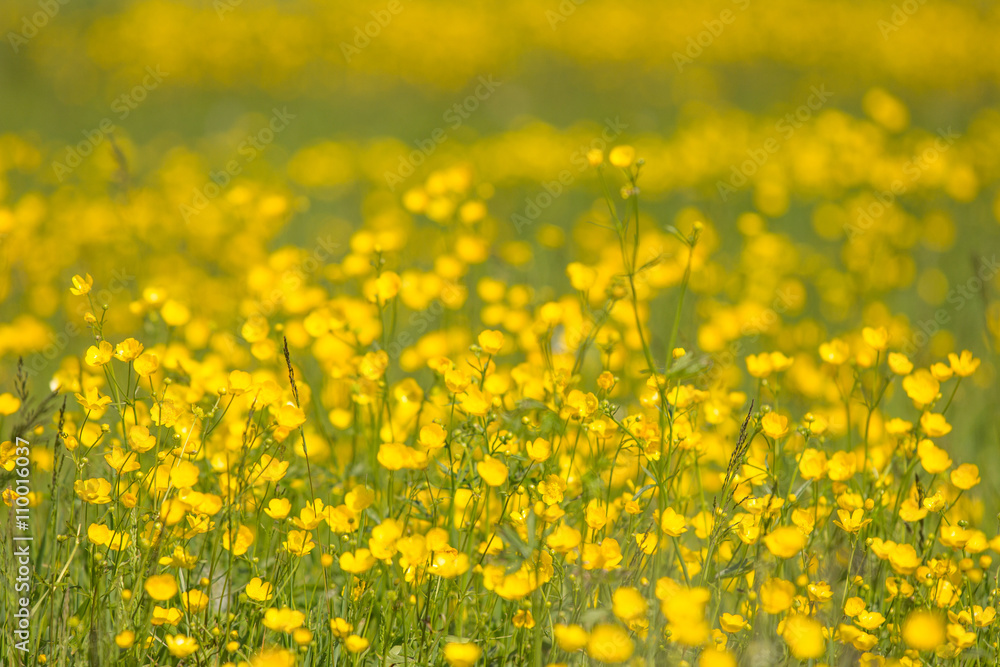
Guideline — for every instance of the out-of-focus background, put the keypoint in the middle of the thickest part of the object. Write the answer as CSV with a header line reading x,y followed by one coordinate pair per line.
x,y
845,156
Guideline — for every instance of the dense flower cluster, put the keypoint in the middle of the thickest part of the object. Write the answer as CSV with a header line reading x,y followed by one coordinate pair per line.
x,y
710,391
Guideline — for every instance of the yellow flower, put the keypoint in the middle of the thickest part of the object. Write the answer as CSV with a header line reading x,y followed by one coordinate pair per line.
x,y
853,606
628,604
462,654
290,416
716,657
922,387
194,601
785,542
181,646
876,338
278,508
834,352
397,456
759,365
870,620
100,354
804,636
161,587
125,639
140,440
128,350
899,364
904,559
239,541
812,464
340,627
924,630
283,620
609,643
934,424
259,590
356,644
622,156
9,404
964,365
539,450
121,462
524,619
476,402
491,341
570,638
732,623
581,276
93,400
146,364
851,522
357,562
492,470
81,285
672,523
932,458
965,476
95,491
776,595
774,425
299,542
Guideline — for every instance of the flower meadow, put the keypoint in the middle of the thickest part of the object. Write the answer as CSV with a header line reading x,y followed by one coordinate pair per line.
x,y
653,335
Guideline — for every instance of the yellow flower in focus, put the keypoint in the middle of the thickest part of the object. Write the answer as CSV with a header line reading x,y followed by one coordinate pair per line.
x,y
774,425
81,285
299,542
852,522
93,400
672,523
100,354
732,623
462,654
278,508
128,350
259,590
